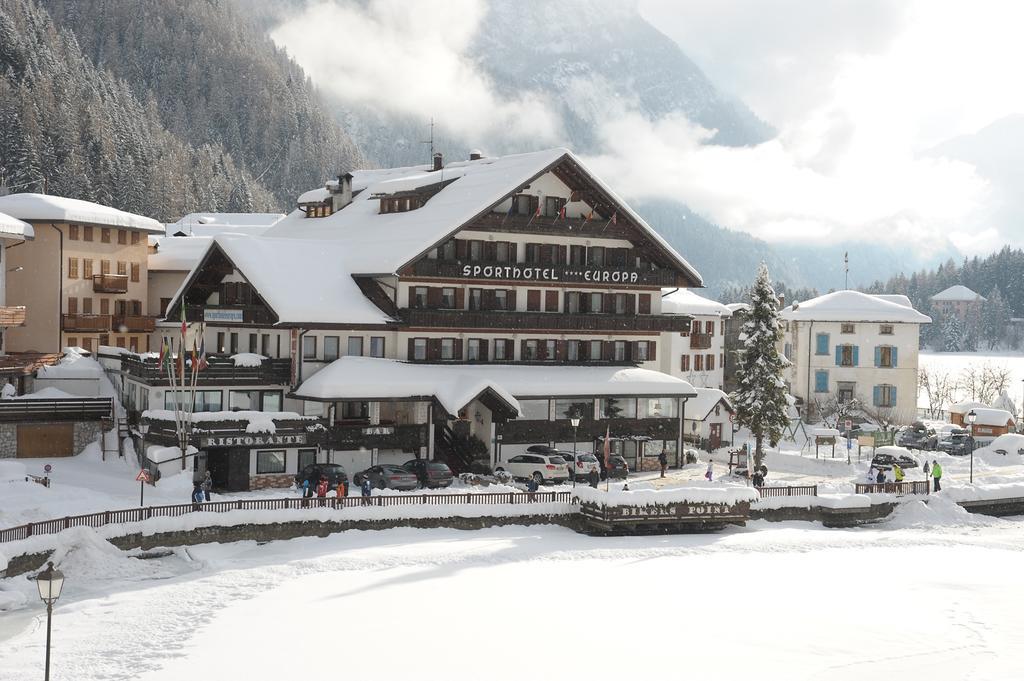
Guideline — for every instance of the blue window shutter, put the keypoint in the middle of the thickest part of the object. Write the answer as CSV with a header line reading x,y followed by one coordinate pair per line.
x,y
822,340
878,355
876,395
892,393
821,381
856,361
839,355
894,363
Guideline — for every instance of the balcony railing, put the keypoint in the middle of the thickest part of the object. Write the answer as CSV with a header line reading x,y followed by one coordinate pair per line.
x,y
700,341
555,321
221,371
134,323
544,224
12,316
110,283
543,273
86,322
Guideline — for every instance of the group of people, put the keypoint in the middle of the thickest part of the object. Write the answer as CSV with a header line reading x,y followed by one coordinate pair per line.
x,y
895,474
201,489
321,488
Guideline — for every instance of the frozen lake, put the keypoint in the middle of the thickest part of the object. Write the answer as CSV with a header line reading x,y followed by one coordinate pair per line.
x,y
932,594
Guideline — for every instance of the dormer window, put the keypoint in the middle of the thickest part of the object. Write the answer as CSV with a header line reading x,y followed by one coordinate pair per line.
x,y
318,210
390,204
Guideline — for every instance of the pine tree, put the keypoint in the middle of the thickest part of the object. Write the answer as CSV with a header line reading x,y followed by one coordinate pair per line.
x,y
993,319
952,334
760,397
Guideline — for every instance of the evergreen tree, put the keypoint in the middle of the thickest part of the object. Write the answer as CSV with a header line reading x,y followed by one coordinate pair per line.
x,y
760,397
952,334
993,319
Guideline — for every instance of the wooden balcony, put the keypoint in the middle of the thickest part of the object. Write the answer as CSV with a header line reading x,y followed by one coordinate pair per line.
x,y
134,323
543,224
700,341
12,316
539,274
553,321
110,283
86,322
221,371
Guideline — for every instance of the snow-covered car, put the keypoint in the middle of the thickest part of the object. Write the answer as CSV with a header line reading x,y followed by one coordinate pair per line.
x,y
954,443
885,457
918,436
580,464
1010,443
541,467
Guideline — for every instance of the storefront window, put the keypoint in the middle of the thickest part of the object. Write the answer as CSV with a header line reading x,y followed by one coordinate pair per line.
x,y
306,458
534,410
270,462
564,409
206,400
659,407
618,408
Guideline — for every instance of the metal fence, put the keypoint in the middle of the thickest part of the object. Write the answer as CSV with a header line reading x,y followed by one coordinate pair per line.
x,y
132,515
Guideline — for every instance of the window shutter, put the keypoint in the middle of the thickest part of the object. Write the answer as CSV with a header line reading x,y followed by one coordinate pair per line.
x,y
652,350
839,355
511,297
483,349
542,349
892,394
630,303
457,350
560,350
433,348
460,249
510,349
551,301
561,255
856,358
512,252
490,251
876,395
487,299
460,299
821,381
533,300
522,350
893,351
609,303
645,303
412,350
878,356
608,351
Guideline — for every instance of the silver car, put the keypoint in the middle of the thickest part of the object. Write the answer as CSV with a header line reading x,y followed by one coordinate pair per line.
x,y
386,476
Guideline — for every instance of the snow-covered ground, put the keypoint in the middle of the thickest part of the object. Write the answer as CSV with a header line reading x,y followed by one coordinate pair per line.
x,y
927,595
954,363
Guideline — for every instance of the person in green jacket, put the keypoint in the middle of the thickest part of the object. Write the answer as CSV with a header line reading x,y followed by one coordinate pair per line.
x,y
937,475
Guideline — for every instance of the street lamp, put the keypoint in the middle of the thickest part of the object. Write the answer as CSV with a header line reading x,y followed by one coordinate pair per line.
x,y
49,583
971,418
575,421
143,429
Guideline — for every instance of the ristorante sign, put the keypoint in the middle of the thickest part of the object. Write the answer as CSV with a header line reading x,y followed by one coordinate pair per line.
x,y
528,273
252,440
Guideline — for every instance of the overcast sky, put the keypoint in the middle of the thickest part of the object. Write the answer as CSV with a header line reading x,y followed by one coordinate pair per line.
x,y
857,89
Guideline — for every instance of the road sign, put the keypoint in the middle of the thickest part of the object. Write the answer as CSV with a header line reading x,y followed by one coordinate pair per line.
x,y
143,476
849,424
47,468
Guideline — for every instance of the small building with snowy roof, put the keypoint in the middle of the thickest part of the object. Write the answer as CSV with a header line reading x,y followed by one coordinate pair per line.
x,y
696,356
958,300
850,345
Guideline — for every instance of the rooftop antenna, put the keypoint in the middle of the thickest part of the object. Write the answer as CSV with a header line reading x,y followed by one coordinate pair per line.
x,y
430,159
846,268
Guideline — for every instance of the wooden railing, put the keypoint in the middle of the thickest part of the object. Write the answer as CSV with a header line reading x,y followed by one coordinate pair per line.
x,y
134,515
132,322
700,341
523,321
110,283
86,322
221,371
898,488
63,409
12,316
791,491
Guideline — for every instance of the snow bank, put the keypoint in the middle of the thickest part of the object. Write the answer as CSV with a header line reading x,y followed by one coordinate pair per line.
x,y
12,471
993,453
45,394
808,501
691,494
247,359
988,492
936,510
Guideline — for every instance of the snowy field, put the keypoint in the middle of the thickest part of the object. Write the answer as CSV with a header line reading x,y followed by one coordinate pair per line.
x,y
932,594
955,362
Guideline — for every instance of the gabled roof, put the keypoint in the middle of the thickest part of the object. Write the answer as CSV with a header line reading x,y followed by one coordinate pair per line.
x,y
698,408
303,281
958,293
986,416
13,228
212,224
45,208
178,253
387,242
685,301
894,298
853,306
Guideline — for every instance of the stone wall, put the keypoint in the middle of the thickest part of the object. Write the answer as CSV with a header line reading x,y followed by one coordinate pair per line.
x,y
86,433
269,481
8,440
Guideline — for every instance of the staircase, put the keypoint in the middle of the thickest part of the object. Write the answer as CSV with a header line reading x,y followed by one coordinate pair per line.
x,y
451,449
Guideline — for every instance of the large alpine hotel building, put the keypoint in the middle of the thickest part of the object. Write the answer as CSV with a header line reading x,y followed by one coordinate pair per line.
x,y
403,312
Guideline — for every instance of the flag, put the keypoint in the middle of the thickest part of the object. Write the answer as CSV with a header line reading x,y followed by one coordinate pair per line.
x,y
181,358
184,326
195,356
588,216
536,213
163,353
561,212
203,364
615,217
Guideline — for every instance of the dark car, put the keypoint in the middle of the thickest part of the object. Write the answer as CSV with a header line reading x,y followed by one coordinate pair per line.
x,y
918,436
332,471
388,476
955,444
885,459
430,473
617,464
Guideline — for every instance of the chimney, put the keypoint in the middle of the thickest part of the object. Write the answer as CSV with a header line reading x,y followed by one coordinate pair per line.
x,y
341,193
438,161
782,300
475,154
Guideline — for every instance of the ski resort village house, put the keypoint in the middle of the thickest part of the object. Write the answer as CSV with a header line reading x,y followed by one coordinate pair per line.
x,y
958,300
850,345
13,232
83,276
462,311
697,356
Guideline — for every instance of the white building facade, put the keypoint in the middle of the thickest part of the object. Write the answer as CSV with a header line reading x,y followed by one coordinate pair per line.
x,y
697,357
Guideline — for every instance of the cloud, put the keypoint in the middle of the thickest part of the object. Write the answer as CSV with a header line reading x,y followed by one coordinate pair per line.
x,y
410,58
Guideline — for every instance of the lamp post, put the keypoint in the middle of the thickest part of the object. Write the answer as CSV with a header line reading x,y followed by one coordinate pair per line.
x,y
143,429
49,582
971,417
575,421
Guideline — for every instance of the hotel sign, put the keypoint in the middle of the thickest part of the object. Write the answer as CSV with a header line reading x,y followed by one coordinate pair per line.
x,y
519,272
252,440
228,316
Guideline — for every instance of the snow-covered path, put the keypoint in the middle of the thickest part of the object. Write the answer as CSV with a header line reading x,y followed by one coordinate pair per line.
x,y
932,594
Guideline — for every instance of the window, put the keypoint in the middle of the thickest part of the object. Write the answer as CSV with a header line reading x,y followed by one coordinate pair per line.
x,y
572,302
821,381
122,268
376,346
501,299
254,342
884,396
846,391
846,355
641,351
72,268
577,256
447,348
135,271
272,461
220,342
596,302
233,343
87,233
419,297
122,237
447,251
885,357
533,253
73,232
684,363
473,350
448,297
596,354
572,350
709,362
846,327
698,362
565,409
476,250
419,349
265,344
104,267
355,411
885,329
475,298
500,353
596,254
821,344
87,268
787,351
502,252
534,410
658,407
206,400
72,341
331,348
618,408
105,235
307,457
135,238
308,347
620,303
255,400
355,346
105,306
620,351
529,350
550,351
86,305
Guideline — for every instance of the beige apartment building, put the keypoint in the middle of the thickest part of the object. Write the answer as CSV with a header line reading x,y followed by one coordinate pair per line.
x,y
83,278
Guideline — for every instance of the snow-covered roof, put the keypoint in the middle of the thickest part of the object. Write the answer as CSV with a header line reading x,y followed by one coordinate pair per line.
x,y
178,253
303,281
986,416
966,406
455,385
13,228
46,208
958,293
387,241
697,408
685,301
318,195
895,298
853,306
212,224
72,365
738,307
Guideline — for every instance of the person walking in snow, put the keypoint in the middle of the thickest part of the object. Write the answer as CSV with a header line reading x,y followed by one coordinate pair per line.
x,y
937,475
871,474
305,489
709,474
321,487
366,489
207,485
341,488
663,460
926,470
880,478
594,478
897,472
197,494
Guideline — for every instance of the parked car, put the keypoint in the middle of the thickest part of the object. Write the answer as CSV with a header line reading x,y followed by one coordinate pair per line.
x,y
885,457
618,465
541,467
918,436
387,476
955,443
430,473
580,464
312,472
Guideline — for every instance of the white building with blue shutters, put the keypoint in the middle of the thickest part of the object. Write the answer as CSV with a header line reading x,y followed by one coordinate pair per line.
x,y
849,344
